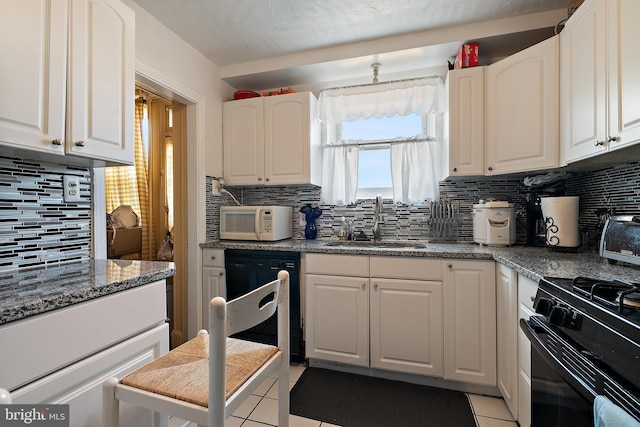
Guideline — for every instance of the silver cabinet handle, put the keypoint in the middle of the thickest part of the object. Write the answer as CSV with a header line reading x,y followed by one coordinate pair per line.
x,y
449,266
213,257
57,141
259,178
455,169
221,274
598,143
375,287
363,286
80,143
490,168
613,139
533,298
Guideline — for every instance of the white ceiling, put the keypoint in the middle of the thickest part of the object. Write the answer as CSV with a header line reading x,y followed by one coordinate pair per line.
x,y
260,44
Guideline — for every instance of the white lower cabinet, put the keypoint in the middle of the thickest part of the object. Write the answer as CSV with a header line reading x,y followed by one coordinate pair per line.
x,y
214,282
406,326
414,315
470,321
507,335
337,327
526,292
80,384
64,356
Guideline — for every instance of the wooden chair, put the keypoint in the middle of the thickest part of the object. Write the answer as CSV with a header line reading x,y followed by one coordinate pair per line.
x,y
184,384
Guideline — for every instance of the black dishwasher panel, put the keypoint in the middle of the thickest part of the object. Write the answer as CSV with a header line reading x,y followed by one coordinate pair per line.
x,y
247,270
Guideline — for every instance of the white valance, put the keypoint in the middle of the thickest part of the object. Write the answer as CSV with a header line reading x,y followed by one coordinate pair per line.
x,y
421,96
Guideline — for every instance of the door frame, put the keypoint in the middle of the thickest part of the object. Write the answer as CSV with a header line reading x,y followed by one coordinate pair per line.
x,y
187,325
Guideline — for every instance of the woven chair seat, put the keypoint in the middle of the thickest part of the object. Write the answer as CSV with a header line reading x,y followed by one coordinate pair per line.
x,y
183,373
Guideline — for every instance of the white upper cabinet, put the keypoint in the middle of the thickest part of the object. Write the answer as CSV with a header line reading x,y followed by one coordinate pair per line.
x,y
243,141
600,106
522,111
583,82
466,121
624,72
101,76
68,79
272,140
33,48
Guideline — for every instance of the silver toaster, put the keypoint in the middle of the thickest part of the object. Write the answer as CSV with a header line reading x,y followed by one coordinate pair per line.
x,y
620,239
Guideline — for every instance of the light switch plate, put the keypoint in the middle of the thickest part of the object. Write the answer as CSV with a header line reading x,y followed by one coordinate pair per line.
x,y
71,188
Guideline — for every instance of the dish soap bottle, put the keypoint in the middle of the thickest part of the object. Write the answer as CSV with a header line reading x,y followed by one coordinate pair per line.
x,y
343,232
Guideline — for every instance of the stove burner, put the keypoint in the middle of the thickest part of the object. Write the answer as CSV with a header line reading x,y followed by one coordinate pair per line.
x,y
616,294
631,299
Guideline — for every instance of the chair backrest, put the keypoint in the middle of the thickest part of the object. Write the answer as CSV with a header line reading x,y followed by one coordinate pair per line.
x,y
252,308
227,318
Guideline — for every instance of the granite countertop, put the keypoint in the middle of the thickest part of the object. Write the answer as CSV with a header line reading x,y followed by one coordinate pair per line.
x,y
531,262
27,292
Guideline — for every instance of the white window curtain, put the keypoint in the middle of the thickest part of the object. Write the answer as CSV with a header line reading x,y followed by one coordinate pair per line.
x,y
414,179
340,174
420,96
414,172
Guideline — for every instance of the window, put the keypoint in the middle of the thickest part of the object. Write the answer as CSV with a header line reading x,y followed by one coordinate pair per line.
x,y
374,154
382,139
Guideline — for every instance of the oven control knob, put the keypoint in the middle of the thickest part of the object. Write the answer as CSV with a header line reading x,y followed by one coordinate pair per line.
x,y
544,306
560,316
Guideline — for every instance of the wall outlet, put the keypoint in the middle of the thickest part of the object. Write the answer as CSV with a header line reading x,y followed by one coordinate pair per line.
x,y
71,188
215,187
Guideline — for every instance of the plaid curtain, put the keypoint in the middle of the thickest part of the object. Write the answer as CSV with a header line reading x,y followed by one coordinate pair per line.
x,y
129,185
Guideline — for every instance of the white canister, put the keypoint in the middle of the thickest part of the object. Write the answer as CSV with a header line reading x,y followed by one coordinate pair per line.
x,y
561,219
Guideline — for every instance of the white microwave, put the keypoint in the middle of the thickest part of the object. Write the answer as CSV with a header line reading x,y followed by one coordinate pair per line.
x,y
261,223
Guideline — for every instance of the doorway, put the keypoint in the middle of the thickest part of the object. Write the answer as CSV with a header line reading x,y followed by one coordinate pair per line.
x,y
152,195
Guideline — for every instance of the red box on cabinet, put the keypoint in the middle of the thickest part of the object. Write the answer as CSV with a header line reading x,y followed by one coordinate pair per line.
x,y
467,56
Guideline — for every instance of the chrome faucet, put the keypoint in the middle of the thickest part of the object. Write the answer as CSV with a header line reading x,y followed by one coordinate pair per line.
x,y
377,219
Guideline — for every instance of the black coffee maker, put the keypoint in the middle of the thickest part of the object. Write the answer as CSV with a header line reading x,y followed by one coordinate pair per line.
x,y
536,228
547,185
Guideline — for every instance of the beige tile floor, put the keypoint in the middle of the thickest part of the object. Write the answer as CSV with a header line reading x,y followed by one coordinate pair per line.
x,y
260,409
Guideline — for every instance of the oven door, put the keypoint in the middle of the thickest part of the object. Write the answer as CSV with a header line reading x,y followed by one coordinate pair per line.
x,y
558,396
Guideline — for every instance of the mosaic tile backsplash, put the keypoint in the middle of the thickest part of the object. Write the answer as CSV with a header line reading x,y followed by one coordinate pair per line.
x,y
616,187
36,226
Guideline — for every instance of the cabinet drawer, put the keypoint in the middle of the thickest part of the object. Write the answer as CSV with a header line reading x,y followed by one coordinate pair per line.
x,y
338,265
406,268
41,344
527,289
213,258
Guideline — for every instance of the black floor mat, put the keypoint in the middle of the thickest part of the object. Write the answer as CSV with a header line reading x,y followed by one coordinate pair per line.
x,y
357,401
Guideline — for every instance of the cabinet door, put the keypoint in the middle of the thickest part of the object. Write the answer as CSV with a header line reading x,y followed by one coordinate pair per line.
x,y
337,325
101,76
406,326
624,69
290,134
33,48
466,121
470,322
214,284
526,292
243,141
583,82
507,335
522,110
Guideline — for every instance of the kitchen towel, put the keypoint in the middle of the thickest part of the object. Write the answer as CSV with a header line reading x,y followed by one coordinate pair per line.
x,y
351,400
608,414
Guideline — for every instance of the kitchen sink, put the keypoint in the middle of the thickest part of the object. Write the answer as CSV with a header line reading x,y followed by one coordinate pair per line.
x,y
377,244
